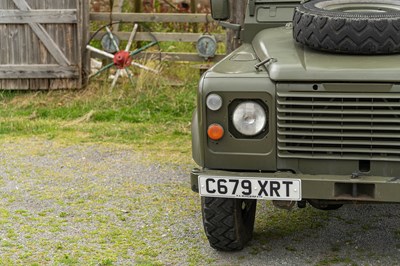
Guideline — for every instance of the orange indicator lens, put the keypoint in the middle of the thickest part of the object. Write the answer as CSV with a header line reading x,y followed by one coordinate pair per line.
x,y
215,132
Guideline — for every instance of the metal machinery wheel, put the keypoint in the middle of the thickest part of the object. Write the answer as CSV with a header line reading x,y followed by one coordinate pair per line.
x,y
127,58
349,26
228,223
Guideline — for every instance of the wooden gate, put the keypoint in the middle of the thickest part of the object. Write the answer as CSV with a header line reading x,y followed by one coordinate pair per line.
x,y
42,43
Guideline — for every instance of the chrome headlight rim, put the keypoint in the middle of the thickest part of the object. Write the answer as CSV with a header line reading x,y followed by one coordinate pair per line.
x,y
237,133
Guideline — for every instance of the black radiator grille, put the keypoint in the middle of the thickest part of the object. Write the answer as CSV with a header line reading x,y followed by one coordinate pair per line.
x,y
339,125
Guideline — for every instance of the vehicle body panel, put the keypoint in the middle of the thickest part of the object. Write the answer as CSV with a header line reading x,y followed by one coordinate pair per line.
x,y
295,62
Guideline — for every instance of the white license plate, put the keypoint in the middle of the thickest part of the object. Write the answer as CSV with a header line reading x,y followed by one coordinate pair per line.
x,y
250,188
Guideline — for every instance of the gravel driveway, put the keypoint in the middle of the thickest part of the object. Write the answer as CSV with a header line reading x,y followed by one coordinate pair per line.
x,y
99,204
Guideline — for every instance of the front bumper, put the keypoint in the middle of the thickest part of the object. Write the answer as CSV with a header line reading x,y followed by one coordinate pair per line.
x,y
356,188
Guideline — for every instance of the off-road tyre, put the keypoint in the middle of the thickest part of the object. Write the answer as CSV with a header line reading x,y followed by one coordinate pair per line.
x,y
228,223
349,26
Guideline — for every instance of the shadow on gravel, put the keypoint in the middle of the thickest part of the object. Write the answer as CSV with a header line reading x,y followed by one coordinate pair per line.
x,y
352,235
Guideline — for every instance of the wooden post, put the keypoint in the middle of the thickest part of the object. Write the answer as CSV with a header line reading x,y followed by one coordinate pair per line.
x,y
193,10
137,6
117,8
238,9
85,38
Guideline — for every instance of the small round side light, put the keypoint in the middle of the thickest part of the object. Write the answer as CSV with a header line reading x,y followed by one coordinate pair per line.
x,y
214,102
215,131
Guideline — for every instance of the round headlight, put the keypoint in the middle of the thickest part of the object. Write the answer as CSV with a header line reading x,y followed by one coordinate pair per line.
x,y
249,118
214,102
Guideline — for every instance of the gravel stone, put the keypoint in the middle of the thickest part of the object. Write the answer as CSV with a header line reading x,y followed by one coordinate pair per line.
x,y
92,202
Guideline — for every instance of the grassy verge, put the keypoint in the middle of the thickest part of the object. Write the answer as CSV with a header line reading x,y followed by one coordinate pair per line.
x,y
153,116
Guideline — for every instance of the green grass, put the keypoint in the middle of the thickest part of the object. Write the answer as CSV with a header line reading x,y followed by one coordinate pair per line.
x,y
152,114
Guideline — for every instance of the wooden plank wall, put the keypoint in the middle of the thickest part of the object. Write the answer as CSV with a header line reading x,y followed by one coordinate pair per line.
x,y
26,63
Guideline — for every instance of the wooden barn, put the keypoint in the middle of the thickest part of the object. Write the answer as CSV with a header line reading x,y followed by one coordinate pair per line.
x,y
42,44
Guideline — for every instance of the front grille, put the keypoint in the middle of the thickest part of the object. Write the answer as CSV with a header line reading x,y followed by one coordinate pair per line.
x,y
349,126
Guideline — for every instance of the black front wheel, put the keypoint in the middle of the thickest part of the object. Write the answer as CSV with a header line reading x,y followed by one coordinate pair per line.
x,y
228,223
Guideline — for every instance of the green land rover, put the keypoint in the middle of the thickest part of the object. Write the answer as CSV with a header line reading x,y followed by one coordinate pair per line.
x,y
306,110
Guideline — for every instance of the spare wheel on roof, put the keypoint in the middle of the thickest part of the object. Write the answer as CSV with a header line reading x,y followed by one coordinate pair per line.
x,y
349,26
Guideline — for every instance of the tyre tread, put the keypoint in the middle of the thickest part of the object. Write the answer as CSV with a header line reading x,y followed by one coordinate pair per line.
x,y
221,226
350,35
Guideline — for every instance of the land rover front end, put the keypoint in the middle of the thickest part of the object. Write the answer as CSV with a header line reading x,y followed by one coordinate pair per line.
x,y
297,121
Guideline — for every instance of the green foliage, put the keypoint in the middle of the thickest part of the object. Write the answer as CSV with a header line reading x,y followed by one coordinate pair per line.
x,y
24,113
154,114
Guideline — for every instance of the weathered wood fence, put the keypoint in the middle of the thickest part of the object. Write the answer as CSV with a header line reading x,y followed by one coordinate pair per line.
x,y
41,44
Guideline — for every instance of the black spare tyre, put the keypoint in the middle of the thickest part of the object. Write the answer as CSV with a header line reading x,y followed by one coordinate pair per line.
x,y
349,26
